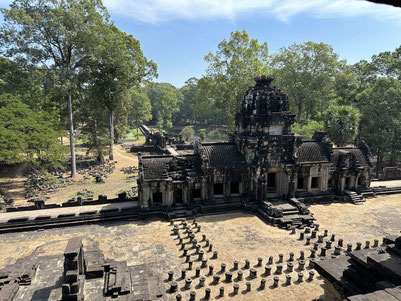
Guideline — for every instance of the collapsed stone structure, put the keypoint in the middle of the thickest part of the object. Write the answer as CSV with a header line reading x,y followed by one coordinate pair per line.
x,y
264,162
365,273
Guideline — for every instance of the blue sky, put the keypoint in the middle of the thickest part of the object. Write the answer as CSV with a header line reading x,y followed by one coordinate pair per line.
x,y
176,34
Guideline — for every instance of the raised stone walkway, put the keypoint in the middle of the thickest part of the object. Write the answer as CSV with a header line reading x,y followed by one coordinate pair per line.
x,y
55,212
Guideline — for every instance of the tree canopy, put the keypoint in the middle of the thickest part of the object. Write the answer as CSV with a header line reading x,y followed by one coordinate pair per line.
x,y
232,69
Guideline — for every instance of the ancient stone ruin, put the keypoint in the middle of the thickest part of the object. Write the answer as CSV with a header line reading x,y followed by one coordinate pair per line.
x,y
365,273
265,165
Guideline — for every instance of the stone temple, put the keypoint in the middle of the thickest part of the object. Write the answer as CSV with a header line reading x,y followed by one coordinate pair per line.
x,y
211,220
264,162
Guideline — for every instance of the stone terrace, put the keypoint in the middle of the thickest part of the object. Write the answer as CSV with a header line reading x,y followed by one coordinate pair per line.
x,y
235,236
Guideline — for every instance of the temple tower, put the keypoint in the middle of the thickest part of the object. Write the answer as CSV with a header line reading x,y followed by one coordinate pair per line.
x,y
264,135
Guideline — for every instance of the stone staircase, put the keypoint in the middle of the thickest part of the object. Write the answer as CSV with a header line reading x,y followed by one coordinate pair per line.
x,y
366,192
284,213
354,197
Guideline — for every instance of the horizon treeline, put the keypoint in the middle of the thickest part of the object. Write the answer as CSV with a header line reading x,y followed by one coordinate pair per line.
x,y
67,71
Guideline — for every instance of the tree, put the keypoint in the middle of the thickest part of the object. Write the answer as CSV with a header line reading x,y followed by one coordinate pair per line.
x,y
232,69
381,118
165,100
187,133
54,35
118,68
206,109
341,124
95,125
307,130
141,109
26,135
306,72
186,107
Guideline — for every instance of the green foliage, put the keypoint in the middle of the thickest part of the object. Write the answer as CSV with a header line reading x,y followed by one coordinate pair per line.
x,y
187,133
186,107
215,135
165,100
206,109
306,72
141,108
341,124
202,134
26,135
307,130
381,117
231,71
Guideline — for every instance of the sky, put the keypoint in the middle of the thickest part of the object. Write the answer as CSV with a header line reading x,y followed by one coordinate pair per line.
x,y
177,34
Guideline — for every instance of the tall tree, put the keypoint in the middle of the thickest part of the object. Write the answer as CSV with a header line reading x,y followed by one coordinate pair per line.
x,y
186,108
165,100
381,118
118,68
232,69
306,73
54,35
27,136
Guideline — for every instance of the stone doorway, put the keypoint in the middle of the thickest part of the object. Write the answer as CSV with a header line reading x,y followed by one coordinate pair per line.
x,y
178,199
157,198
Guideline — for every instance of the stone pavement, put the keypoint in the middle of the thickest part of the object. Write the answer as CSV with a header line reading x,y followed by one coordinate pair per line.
x,y
54,212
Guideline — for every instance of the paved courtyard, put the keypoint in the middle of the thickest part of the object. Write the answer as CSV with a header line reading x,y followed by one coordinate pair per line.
x,y
235,236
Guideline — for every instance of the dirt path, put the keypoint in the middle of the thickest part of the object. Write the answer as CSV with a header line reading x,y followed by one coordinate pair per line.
x,y
114,183
12,181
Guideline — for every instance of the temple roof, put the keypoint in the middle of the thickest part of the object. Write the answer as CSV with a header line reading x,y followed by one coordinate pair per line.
x,y
263,98
223,155
355,152
155,166
313,152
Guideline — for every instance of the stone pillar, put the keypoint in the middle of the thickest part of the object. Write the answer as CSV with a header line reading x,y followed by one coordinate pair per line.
x,y
204,187
168,194
309,183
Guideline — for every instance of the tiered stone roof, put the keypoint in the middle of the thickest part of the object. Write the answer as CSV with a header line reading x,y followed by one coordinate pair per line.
x,y
222,155
312,152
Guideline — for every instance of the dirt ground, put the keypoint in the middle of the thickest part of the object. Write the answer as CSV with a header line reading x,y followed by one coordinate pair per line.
x,y
12,181
113,184
235,236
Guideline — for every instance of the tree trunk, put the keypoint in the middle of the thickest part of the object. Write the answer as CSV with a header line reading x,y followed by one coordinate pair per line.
x,y
111,123
299,113
378,165
72,143
137,127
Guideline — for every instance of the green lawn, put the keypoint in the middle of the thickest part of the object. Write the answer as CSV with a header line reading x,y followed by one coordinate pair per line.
x,y
131,137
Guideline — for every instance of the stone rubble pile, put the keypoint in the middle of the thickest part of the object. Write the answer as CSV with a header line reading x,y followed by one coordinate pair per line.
x,y
40,185
129,169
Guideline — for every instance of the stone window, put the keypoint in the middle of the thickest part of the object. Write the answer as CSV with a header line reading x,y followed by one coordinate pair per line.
x,y
315,183
234,187
218,188
300,184
330,183
157,198
196,193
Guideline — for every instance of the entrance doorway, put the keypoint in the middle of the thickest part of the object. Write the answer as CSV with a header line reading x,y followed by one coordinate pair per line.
x,y
157,198
271,182
178,196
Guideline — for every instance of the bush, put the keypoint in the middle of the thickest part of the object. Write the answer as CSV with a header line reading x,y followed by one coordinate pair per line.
x,y
187,133
216,136
307,130
202,134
